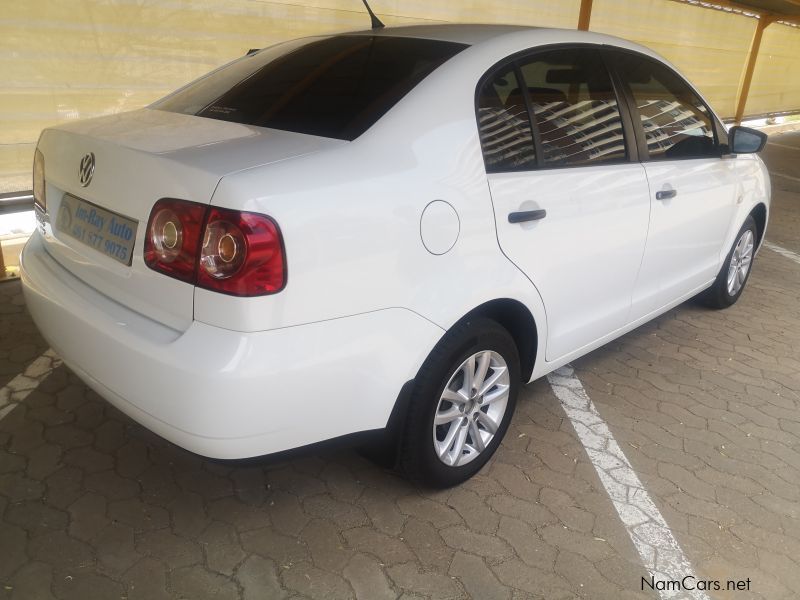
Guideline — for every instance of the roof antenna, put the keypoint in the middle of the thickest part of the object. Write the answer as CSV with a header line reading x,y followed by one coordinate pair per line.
x,y
376,22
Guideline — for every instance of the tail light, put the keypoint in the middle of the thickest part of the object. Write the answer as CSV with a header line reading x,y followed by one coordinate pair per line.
x,y
39,197
228,251
173,238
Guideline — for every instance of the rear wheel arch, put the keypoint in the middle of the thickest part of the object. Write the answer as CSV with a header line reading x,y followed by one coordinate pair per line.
x,y
517,319
510,314
419,446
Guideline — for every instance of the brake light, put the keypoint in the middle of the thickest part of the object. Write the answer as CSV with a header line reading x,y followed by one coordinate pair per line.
x,y
39,197
242,254
228,251
173,238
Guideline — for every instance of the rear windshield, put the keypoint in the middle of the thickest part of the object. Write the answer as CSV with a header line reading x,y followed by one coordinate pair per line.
x,y
335,87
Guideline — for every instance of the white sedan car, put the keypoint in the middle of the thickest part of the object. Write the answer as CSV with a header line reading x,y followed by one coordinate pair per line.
x,y
384,230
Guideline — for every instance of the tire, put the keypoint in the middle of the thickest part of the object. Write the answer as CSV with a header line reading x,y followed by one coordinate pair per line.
x,y
722,293
487,343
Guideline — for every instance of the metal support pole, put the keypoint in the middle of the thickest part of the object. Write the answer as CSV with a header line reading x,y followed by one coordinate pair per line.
x,y
747,78
585,15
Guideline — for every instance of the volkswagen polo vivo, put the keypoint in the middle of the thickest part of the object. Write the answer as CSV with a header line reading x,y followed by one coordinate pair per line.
x,y
391,229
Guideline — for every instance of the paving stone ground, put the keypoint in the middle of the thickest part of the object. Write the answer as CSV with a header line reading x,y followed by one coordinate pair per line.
x,y
703,403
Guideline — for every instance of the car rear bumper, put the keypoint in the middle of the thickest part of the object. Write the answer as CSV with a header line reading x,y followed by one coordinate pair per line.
x,y
223,393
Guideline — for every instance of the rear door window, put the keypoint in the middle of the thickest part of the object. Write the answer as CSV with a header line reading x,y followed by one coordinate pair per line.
x,y
334,87
676,123
575,107
504,124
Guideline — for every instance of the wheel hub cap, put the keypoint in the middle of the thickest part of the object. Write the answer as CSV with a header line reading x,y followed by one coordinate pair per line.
x,y
471,404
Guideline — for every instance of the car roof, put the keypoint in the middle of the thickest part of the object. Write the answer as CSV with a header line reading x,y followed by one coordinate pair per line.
x,y
490,45
506,39
462,33
474,34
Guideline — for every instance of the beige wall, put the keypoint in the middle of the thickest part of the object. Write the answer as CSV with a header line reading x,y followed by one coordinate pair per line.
x,y
71,59
776,80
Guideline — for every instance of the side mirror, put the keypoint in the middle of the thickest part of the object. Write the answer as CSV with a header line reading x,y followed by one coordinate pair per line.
x,y
743,140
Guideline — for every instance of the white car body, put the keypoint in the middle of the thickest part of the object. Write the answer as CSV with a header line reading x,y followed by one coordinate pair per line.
x,y
372,284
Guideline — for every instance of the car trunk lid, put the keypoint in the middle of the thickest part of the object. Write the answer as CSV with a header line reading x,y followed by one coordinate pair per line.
x,y
139,158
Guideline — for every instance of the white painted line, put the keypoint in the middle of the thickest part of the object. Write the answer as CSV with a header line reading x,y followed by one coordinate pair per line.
x,y
789,177
783,251
788,147
659,550
16,390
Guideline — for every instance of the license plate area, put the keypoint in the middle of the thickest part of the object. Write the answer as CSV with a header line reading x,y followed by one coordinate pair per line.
x,y
103,230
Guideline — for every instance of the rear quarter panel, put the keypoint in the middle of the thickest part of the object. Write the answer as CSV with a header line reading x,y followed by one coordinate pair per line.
x,y
350,220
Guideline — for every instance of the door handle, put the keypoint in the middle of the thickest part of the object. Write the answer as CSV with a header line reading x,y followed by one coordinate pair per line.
x,y
666,194
526,215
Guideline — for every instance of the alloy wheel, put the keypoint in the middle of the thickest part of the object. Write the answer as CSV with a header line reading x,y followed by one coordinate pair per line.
x,y
471,408
741,258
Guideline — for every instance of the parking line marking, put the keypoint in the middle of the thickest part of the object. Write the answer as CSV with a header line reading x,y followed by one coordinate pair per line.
x,y
776,174
783,251
659,550
16,390
788,147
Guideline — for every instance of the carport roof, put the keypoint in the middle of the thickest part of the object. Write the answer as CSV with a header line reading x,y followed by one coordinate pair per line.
x,y
780,9
776,7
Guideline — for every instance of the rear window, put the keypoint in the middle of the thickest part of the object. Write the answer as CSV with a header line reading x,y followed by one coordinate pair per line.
x,y
335,87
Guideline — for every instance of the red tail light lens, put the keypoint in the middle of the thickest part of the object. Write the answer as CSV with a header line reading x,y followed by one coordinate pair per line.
x,y
237,253
173,238
242,254
224,249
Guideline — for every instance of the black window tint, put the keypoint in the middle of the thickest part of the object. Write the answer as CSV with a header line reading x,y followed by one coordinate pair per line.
x,y
504,125
676,123
575,107
333,87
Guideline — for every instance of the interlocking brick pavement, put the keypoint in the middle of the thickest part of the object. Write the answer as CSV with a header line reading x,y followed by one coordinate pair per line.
x,y
719,446
704,404
95,506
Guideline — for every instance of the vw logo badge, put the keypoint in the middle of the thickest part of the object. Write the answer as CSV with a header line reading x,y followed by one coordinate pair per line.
x,y
87,169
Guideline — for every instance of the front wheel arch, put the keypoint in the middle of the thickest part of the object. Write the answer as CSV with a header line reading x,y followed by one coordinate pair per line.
x,y
718,295
759,214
